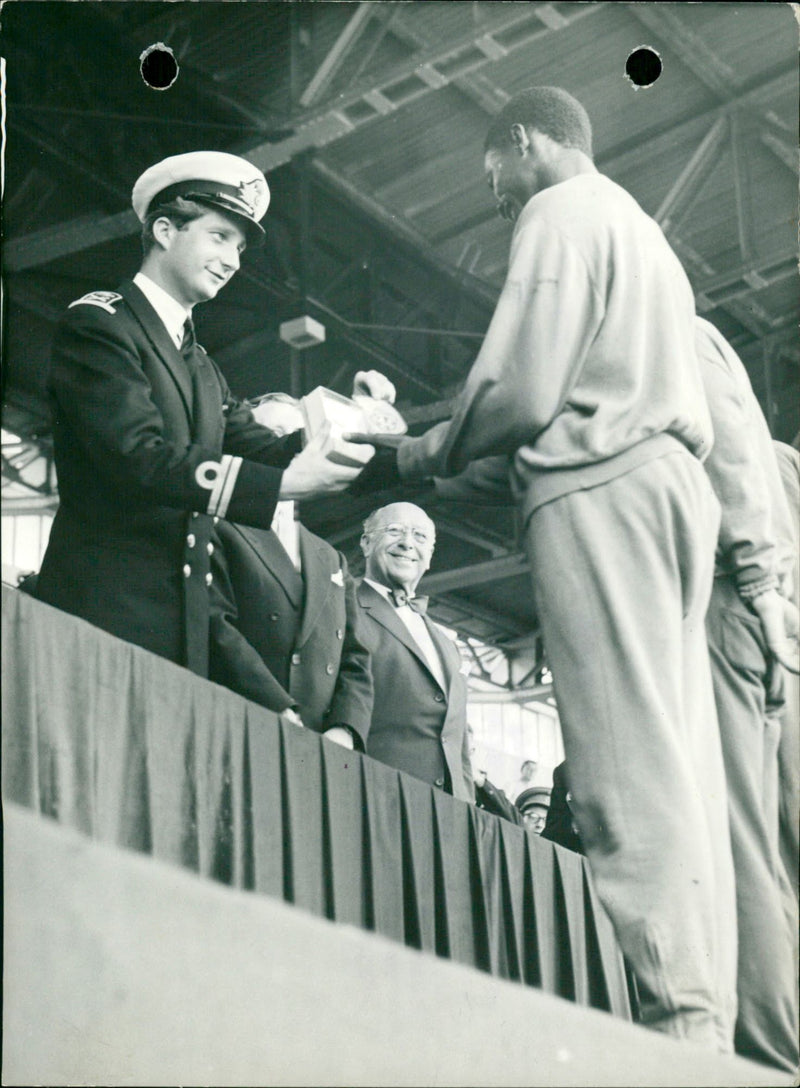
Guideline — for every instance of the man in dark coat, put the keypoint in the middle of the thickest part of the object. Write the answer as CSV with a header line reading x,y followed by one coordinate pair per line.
x,y
419,722
284,617
150,445
287,638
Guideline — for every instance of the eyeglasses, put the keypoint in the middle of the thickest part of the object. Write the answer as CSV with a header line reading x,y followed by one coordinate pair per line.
x,y
398,532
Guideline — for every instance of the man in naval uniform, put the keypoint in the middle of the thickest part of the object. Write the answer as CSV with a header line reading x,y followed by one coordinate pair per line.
x,y
419,718
150,445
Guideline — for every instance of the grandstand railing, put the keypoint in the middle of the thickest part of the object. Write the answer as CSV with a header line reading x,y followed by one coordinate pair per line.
x,y
129,749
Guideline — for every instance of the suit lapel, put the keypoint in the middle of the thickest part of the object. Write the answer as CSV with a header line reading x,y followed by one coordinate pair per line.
x,y
443,646
160,339
384,613
271,554
317,578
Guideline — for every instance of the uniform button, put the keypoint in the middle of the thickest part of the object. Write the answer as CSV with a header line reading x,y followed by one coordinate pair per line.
x,y
209,578
273,616
191,540
216,520
195,514
187,570
439,782
339,632
439,697
210,548
295,659
329,670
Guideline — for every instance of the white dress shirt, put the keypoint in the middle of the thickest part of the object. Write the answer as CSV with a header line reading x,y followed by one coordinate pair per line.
x,y
171,312
285,528
418,629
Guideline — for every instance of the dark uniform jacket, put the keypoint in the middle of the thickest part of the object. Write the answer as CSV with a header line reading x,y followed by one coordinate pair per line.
x,y
492,799
146,456
286,639
417,726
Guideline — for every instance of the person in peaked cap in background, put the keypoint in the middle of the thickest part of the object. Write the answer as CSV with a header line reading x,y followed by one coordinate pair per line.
x,y
533,804
150,445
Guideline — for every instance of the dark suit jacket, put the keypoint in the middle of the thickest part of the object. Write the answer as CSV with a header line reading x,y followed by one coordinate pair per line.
x,y
285,639
416,725
558,825
491,797
137,440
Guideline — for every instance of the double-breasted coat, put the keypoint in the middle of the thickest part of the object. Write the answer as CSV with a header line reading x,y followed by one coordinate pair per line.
x,y
147,454
288,639
417,726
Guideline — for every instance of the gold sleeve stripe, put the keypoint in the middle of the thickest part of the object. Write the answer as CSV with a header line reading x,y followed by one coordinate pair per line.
x,y
230,471
220,479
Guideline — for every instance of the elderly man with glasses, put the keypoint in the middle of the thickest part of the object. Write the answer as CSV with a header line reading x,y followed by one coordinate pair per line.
x,y
419,722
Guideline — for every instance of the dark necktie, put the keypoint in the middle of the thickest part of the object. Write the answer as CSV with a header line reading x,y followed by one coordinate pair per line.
x,y
417,604
188,347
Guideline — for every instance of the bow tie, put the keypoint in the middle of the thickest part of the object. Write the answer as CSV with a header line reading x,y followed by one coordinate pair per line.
x,y
399,597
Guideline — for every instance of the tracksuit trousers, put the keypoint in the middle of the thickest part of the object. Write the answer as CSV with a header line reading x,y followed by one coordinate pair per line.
x,y
748,688
622,575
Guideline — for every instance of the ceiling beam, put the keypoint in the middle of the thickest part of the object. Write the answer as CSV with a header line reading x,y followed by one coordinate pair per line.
x,y
489,570
111,38
745,226
453,528
785,152
752,275
690,48
341,48
453,612
56,149
694,175
70,236
37,248
420,73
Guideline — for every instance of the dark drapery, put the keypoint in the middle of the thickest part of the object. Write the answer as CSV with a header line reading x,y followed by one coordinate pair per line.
x,y
133,750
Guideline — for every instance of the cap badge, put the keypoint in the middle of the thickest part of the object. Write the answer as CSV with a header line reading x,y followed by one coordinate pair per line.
x,y
251,193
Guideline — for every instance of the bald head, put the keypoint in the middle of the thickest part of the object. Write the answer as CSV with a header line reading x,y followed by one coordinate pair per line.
x,y
397,543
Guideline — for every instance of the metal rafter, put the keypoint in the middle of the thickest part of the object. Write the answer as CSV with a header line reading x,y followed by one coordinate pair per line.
x,y
337,54
694,175
691,49
428,70
489,570
624,156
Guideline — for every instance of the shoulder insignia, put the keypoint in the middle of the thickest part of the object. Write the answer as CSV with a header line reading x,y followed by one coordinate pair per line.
x,y
103,299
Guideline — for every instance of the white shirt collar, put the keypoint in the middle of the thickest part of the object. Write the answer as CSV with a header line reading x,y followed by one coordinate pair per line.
x,y
171,312
385,590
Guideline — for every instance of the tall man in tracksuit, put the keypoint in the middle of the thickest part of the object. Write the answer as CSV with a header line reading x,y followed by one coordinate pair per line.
x,y
747,637
588,380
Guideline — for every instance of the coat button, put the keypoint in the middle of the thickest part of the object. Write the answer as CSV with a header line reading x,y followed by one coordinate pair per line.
x,y
191,540
187,571
216,520
209,578
295,659
329,670
195,514
210,548
339,633
274,617
439,782
439,697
